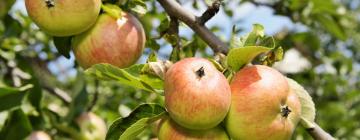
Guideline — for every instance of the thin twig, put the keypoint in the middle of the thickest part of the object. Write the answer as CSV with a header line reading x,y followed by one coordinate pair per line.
x,y
319,134
62,95
96,96
42,73
210,12
173,8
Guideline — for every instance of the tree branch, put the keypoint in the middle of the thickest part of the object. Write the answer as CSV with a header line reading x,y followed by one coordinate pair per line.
x,y
174,31
62,95
210,12
42,73
174,9
319,134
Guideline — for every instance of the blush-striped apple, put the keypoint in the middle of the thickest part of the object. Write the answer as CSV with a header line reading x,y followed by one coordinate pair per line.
x,y
197,95
262,106
116,41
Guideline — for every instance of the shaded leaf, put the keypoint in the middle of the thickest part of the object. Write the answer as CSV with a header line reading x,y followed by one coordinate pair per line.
x,y
151,43
12,97
5,6
17,127
307,105
128,76
331,26
79,104
63,45
129,127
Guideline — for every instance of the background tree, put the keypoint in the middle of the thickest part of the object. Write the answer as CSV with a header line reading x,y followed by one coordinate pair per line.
x,y
41,90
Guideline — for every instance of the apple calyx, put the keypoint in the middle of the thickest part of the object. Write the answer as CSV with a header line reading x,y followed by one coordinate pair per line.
x,y
285,111
50,3
200,72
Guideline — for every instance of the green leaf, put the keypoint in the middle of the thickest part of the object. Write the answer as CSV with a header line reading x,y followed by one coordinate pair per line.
x,y
129,127
5,6
307,105
151,43
330,25
128,76
238,57
12,97
297,4
235,40
324,7
17,127
164,25
79,104
273,56
113,10
189,49
138,6
252,38
63,45
217,65
152,57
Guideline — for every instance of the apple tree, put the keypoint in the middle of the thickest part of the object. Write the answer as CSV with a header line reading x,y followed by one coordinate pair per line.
x,y
177,69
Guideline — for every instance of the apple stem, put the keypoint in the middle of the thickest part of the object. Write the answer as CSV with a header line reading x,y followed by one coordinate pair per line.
x,y
285,111
50,3
200,72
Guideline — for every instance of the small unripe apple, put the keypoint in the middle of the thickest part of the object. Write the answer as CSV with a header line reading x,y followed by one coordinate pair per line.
x,y
38,135
91,126
262,106
169,130
197,95
119,42
63,17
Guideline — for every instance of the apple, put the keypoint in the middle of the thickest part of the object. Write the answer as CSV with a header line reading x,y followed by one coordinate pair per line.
x,y
119,42
38,135
63,17
197,95
262,106
91,127
169,130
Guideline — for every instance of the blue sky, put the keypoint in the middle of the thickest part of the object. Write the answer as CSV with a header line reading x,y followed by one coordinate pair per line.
x,y
244,17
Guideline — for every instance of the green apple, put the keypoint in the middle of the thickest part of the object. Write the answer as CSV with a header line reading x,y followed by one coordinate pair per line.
x,y
63,17
262,106
119,42
38,135
91,126
197,95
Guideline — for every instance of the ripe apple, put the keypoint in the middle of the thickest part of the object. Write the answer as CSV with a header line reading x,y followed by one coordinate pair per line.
x,y
169,130
262,108
119,42
91,126
197,95
63,17
38,135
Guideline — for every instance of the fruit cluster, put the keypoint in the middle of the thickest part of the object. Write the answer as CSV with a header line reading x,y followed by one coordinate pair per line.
x,y
106,38
256,105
